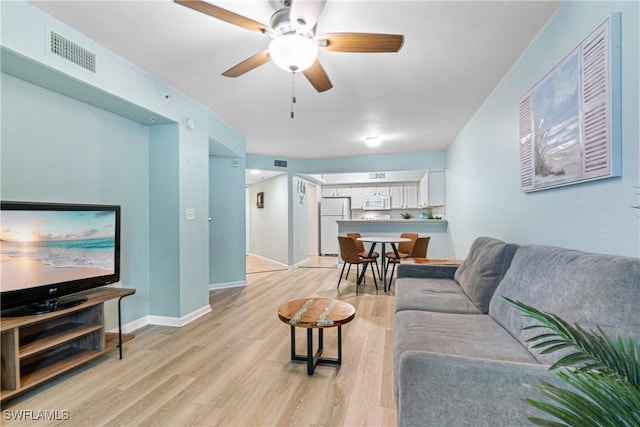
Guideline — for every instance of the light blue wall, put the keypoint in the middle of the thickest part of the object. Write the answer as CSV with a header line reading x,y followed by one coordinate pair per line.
x,y
483,183
57,149
182,154
227,241
164,214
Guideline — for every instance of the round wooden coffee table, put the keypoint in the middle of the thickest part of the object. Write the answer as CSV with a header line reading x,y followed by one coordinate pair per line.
x,y
316,313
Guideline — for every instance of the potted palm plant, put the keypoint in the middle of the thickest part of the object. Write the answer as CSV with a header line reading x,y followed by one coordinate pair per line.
x,y
603,375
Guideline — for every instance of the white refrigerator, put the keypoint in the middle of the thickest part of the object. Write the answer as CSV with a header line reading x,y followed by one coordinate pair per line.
x,y
332,209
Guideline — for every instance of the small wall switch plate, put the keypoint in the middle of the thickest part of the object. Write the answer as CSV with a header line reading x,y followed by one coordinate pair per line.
x,y
191,214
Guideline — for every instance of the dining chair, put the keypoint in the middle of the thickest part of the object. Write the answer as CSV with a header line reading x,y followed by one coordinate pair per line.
x,y
419,250
404,248
349,254
363,252
404,251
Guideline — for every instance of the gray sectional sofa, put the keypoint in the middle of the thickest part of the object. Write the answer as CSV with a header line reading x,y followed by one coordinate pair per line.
x,y
460,355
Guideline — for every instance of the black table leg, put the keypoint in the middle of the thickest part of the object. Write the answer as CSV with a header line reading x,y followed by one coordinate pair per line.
x,y
314,359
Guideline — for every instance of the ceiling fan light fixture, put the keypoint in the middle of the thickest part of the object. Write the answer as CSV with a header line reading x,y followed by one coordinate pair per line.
x,y
293,52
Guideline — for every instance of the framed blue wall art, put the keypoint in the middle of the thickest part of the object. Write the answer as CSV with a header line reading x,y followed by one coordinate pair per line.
x,y
570,119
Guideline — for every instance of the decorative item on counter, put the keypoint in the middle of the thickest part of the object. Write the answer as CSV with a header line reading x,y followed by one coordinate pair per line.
x,y
406,215
424,215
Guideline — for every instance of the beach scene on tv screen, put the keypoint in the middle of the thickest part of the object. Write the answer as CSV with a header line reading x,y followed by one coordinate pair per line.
x,y
43,247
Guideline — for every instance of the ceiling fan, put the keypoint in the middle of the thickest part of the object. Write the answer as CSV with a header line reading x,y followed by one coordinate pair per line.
x,y
295,44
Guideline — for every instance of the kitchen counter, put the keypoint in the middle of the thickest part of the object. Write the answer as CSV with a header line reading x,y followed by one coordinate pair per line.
x,y
393,221
435,228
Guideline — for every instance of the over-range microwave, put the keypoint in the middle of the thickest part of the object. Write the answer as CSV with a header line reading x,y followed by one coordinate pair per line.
x,y
377,203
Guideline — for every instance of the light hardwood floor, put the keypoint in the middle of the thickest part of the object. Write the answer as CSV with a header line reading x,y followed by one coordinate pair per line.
x,y
232,368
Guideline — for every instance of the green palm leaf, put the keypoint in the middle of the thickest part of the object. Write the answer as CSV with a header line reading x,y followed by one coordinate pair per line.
x,y
592,350
603,375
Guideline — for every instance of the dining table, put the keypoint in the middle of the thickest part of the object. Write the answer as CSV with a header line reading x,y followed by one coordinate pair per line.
x,y
383,240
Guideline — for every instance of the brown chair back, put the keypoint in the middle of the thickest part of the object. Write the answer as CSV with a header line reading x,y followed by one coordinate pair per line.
x,y
407,247
349,250
420,247
359,244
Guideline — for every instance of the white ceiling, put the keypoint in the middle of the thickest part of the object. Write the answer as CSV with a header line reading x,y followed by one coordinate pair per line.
x,y
416,100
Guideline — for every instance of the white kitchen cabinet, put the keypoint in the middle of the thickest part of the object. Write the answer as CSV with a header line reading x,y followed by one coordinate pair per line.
x,y
376,190
404,196
431,189
397,196
343,191
411,195
328,191
336,191
357,197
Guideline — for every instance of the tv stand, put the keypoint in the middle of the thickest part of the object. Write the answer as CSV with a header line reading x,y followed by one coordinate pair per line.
x,y
46,306
36,348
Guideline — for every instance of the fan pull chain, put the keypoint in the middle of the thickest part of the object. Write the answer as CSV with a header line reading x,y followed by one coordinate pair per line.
x,y
293,92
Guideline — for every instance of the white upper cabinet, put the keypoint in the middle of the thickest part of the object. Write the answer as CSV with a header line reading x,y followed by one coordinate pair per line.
x,y
411,195
357,197
404,196
376,190
397,196
431,190
336,191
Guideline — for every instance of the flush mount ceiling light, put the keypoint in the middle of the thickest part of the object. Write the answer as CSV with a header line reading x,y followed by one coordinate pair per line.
x,y
372,141
293,52
254,172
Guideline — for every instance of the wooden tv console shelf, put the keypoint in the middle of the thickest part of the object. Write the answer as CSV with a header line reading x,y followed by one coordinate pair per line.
x,y
39,347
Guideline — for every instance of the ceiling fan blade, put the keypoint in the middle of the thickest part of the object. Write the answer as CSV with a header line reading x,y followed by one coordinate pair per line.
x,y
248,64
361,42
318,77
225,15
305,13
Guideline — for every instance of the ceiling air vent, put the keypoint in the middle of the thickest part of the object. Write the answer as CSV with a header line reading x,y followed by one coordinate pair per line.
x,y
72,52
281,163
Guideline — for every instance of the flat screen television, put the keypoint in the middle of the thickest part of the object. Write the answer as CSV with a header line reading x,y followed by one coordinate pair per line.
x,y
51,251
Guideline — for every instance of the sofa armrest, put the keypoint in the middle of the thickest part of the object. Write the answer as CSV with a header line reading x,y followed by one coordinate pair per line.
x,y
437,389
418,271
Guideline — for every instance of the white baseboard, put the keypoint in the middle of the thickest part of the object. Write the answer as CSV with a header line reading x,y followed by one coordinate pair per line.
x,y
298,264
224,285
288,267
270,260
133,325
175,322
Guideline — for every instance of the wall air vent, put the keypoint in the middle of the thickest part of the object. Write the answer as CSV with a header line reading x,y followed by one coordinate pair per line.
x,y
72,52
280,163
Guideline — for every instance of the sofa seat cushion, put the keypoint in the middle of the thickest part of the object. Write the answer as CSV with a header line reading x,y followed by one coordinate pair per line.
x,y
476,336
441,295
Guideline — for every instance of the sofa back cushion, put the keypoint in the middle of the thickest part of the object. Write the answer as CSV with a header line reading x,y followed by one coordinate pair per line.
x,y
482,270
584,288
